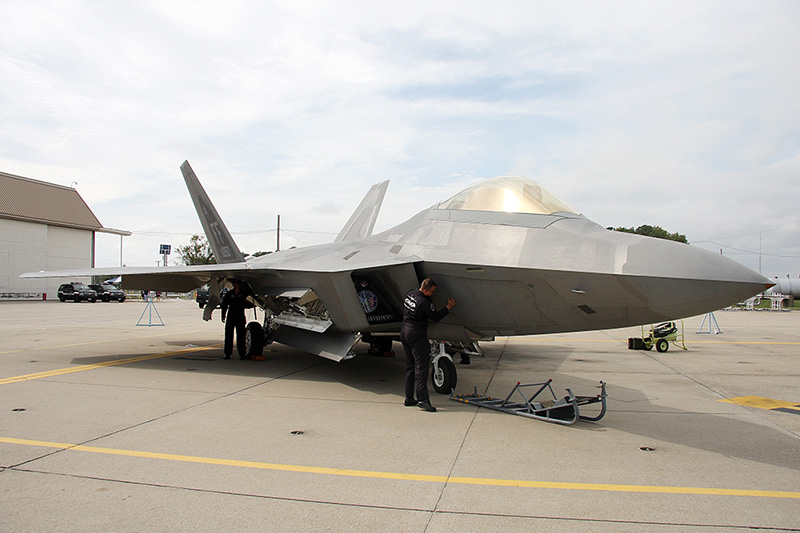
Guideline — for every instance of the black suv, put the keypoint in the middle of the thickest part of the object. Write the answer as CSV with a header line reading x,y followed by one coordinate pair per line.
x,y
202,296
108,292
76,291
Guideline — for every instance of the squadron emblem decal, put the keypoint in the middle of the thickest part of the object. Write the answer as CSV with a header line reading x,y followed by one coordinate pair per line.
x,y
369,300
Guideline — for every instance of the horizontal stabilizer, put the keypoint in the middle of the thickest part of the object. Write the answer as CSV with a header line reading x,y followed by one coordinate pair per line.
x,y
362,221
225,250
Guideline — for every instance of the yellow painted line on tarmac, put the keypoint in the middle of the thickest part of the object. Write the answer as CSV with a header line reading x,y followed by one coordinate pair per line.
x,y
90,343
561,339
599,487
689,341
745,342
82,368
763,403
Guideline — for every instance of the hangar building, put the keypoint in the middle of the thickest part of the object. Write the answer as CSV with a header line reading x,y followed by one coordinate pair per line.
x,y
43,226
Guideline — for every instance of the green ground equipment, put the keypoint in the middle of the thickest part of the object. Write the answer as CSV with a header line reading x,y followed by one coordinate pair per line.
x,y
659,336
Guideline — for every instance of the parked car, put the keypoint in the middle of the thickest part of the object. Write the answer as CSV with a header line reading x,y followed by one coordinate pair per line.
x,y
107,292
76,291
202,296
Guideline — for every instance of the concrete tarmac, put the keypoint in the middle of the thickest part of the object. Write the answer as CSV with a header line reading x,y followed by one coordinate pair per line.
x,y
105,425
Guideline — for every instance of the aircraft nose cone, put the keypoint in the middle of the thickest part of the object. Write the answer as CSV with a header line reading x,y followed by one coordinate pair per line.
x,y
680,280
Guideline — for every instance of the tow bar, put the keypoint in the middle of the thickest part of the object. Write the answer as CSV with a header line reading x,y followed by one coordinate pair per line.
x,y
558,410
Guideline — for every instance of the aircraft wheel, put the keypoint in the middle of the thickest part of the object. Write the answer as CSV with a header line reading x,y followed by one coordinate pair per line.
x,y
662,345
379,345
444,376
254,339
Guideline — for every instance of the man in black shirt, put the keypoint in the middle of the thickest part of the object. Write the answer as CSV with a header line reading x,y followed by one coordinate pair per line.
x,y
417,310
233,305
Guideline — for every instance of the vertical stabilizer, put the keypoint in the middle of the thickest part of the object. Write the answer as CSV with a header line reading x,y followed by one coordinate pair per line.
x,y
363,218
225,250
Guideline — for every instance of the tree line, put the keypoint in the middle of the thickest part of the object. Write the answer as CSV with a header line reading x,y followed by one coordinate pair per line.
x,y
654,231
198,252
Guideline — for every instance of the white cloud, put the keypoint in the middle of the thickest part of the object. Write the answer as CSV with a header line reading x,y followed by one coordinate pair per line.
x,y
682,115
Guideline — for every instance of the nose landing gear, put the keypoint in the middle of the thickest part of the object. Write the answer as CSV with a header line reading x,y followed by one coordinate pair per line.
x,y
444,375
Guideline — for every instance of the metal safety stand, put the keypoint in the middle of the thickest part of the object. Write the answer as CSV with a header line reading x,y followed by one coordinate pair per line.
x,y
558,410
713,325
150,307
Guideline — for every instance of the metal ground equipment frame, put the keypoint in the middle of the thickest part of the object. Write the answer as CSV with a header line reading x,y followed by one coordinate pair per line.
x,y
564,410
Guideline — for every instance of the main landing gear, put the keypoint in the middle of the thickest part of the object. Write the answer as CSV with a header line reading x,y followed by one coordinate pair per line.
x,y
254,340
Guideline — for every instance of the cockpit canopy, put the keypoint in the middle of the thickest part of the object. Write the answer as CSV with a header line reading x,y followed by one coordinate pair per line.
x,y
508,194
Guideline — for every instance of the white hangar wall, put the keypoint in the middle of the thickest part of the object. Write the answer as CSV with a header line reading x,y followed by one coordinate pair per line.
x,y
29,247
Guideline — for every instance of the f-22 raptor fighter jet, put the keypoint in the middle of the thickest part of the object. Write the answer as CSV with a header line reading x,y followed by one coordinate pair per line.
x,y
518,260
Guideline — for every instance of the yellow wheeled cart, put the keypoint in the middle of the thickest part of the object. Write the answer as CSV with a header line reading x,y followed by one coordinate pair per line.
x,y
659,336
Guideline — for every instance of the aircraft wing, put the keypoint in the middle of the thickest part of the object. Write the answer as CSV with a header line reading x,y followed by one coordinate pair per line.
x,y
173,279
312,293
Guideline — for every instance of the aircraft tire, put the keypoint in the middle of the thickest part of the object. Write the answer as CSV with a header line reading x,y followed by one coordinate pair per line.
x,y
444,377
254,339
662,345
379,345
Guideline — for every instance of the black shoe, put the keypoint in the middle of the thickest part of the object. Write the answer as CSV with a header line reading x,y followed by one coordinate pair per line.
x,y
227,357
464,361
410,403
426,406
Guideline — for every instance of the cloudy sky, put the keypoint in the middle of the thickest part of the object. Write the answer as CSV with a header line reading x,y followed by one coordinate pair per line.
x,y
684,115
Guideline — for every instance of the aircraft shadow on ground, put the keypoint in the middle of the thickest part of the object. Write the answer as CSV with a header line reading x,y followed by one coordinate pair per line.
x,y
379,375
629,410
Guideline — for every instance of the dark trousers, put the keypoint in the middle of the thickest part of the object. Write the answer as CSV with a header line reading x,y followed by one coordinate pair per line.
x,y
232,323
418,362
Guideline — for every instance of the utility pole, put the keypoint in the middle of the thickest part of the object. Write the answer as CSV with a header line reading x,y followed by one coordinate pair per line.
x,y
278,236
759,252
